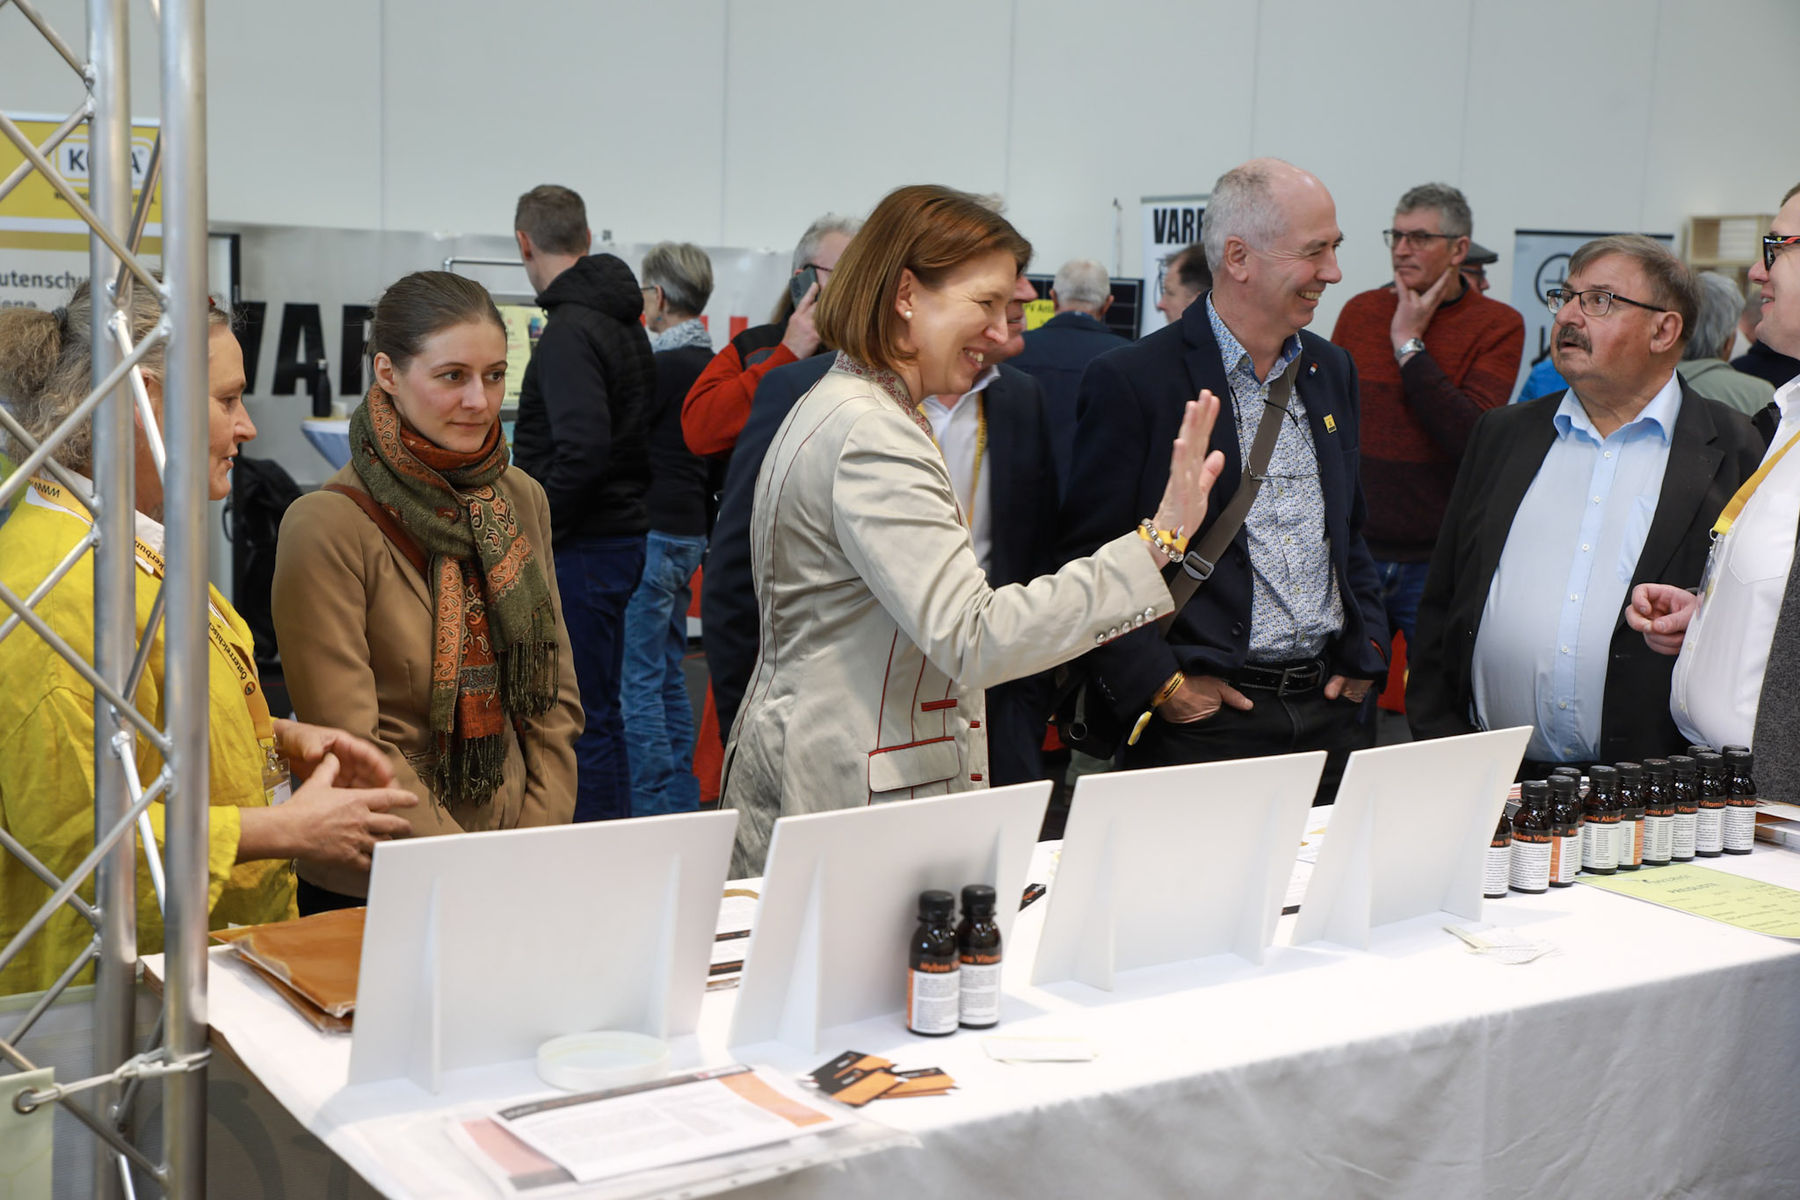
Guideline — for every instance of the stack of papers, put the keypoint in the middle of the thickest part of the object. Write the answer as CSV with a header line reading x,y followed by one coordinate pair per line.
x,y
541,1144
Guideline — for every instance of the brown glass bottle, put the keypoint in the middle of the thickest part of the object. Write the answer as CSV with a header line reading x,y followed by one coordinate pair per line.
x,y
1631,815
1740,801
1496,870
933,991
978,951
1565,831
1600,822
1687,807
1709,823
1659,811
1530,859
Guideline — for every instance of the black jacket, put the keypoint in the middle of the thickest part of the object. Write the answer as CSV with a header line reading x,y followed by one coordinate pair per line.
x,y
1022,490
680,480
1765,363
585,405
1056,353
1131,406
1711,451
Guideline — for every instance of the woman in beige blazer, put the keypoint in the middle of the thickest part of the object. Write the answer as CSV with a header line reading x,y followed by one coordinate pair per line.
x,y
414,600
879,631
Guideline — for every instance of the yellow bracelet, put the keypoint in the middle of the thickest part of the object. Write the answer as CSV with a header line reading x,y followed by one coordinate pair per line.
x,y
1169,689
1173,545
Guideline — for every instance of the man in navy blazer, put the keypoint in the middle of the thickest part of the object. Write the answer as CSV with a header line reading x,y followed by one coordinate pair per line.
x,y
1278,649
1022,489
1059,350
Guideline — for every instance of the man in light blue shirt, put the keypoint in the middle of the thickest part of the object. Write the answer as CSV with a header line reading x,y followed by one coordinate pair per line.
x,y
1565,502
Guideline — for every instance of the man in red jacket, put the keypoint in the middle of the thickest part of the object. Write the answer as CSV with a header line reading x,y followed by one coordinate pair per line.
x,y
718,404
1432,354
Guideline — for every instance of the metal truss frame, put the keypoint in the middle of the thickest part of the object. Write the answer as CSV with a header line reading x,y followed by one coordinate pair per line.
x,y
118,405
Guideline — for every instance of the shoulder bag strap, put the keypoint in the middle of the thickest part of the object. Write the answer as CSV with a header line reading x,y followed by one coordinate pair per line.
x,y
389,525
1203,558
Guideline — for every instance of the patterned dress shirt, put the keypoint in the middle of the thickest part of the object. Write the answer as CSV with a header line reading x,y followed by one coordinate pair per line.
x,y
1295,608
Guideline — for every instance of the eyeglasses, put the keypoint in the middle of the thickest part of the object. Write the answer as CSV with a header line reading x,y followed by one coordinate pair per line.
x,y
1594,302
821,270
1417,239
1773,242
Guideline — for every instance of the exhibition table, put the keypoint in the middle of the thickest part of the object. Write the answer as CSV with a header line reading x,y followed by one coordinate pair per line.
x,y
1649,1055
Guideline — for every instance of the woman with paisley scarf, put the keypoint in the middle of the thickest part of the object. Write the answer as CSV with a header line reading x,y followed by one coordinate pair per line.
x,y
414,597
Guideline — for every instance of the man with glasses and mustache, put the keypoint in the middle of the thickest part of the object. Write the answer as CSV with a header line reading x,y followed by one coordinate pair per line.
x,y
1561,505
1737,681
1432,354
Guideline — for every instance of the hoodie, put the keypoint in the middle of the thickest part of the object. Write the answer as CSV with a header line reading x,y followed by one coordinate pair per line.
x,y
584,407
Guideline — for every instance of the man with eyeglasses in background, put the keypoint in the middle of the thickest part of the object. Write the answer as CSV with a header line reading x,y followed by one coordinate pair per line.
x,y
1432,354
1737,681
1562,504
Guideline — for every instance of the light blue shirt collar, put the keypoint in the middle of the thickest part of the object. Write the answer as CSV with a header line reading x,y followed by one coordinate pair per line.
x,y
1232,352
1656,420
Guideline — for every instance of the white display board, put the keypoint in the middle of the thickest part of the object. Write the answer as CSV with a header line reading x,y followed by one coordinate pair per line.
x,y
1409,833
840,902
1169,223
480,946
1174,863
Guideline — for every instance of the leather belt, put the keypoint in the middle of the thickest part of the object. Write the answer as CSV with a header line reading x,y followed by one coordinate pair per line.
x,y
1284,679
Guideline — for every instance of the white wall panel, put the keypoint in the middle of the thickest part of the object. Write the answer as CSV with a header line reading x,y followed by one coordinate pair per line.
x,y
830,106
1115,103
294,112
621,101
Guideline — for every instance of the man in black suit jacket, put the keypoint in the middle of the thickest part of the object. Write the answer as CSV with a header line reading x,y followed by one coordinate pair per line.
x,y
1550,498
1059,350
1278,649
1022,489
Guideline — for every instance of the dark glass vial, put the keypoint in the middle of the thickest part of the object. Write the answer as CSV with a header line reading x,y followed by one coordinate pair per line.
x,y
1565,831
1631,816
1600,822
1709,823
1687,806
1659,811
978,953
933,992
1740,801
1530,858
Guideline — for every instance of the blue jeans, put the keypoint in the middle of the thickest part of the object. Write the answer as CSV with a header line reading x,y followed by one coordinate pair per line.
x,y
659,719
596,576
1401,586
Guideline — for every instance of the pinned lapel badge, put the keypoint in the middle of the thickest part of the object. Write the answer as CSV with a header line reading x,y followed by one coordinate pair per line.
x,y
1312,368
1330,424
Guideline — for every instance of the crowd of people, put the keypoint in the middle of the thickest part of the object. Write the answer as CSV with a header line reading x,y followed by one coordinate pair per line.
x,y
935,543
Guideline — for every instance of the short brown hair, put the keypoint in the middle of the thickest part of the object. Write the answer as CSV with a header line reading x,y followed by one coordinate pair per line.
x,y
554,218
1672,286
922,228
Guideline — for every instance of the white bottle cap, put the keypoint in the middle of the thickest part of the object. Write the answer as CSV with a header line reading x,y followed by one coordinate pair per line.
x,y
593,1062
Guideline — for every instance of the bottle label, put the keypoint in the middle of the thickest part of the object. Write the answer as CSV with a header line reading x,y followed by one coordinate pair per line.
x,y
1659,839
981,990
1530,862
1599,846
1709,831
1565,857
1631,842
1496,872
933,1003
1740,827
1683,835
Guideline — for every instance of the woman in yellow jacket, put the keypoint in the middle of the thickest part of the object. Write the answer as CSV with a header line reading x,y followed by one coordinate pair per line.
x,y
46,708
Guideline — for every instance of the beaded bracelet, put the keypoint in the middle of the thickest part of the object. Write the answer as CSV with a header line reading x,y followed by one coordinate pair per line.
x,y
1172,545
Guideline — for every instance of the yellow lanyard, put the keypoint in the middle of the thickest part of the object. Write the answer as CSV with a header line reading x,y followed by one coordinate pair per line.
x,y
981,439
1735,508
152,564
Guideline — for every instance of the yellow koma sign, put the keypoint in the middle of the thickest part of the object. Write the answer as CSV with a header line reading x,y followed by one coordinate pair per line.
x,y
34,217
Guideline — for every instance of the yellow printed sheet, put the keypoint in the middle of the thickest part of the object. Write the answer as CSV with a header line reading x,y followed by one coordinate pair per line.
x,y
1765,908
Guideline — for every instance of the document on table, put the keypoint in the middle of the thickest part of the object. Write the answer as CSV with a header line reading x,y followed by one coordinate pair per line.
x,y
1765,908
731,937
601,1135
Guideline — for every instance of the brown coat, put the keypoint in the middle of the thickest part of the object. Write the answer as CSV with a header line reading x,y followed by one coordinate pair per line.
x,y
354,622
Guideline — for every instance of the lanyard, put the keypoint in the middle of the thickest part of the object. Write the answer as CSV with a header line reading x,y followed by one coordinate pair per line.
x,y
1735,508
981,441
241,662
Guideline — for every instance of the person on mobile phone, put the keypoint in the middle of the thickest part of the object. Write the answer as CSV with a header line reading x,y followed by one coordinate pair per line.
x,y
718,404
1432,354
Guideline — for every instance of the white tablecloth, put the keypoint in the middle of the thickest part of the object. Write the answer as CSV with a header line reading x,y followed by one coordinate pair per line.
x,y
1650,1057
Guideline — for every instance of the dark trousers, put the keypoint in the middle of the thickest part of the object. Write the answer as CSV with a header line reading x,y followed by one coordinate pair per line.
x,y
596,576
1277,725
